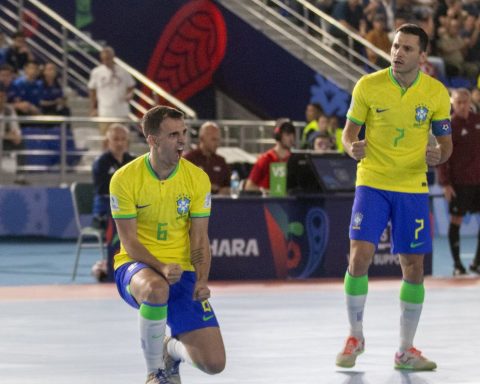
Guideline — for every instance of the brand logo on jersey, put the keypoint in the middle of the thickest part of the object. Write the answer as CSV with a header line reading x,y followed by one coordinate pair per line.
x,y
357,220
380,110
114,203
464,132
142,206
183,205
421,113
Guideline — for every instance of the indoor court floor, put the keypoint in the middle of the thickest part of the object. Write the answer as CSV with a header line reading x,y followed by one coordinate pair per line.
x,y
53,331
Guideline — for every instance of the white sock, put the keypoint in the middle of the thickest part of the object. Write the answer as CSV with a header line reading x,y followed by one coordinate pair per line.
x,y
177,351
152,333
355,308
409,318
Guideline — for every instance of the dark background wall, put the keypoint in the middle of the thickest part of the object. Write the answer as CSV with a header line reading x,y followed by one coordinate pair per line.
x,y
193,48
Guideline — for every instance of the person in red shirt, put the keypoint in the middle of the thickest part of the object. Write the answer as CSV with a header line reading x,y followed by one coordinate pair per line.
x,y
205,157
460,175
259,178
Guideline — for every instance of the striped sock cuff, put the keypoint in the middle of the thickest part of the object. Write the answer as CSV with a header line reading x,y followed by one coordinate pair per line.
x,y
151,311
355,285
412,293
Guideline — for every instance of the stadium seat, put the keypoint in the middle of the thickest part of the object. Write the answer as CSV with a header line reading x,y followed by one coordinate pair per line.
x,y
82,198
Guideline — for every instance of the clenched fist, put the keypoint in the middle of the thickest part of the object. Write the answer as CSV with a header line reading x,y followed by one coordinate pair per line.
x,y
172,272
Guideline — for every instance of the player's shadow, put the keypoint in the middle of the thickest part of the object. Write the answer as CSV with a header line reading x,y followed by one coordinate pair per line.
x,y
408,377
354,377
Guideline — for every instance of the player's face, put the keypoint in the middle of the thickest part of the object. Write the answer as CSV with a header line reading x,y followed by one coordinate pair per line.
x,y
170,142
405,53
461,105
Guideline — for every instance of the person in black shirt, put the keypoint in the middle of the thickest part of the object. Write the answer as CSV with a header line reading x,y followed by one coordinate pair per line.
x,y
103,168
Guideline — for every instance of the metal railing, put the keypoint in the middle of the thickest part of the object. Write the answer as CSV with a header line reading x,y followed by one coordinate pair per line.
x,y
251,136
54,39
340,59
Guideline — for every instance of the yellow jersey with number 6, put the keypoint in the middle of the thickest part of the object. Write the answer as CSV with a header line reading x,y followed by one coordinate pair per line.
x,y
398,122
163,208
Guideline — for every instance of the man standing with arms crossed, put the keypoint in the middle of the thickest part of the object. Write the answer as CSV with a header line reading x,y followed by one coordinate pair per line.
x,y
161,205
398,105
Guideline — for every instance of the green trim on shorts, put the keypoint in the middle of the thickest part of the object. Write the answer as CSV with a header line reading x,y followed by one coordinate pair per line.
x,y
412,293
150,312
355,285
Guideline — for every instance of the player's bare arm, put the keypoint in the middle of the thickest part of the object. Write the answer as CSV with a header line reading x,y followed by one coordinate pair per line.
x,y
127,231
440,153
354,147
200,256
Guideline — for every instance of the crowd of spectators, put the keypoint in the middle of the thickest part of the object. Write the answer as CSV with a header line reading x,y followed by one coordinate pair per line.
x,y
452,25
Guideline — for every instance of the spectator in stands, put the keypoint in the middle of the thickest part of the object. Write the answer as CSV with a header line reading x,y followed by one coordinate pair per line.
x,y
7,76
451,47
18,53
205,157
3,48
378,36
52,99
312,113
471,33
460,175
111,89
259,178
105,166
322,143
28,90
350,14
476,100
10,132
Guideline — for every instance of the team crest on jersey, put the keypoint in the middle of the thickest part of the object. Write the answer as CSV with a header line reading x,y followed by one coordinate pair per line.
x,y
421,113
357,220
183,205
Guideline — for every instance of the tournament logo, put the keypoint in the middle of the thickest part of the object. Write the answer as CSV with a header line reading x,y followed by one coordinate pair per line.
x,y
114,203
357,220
421,113
183,205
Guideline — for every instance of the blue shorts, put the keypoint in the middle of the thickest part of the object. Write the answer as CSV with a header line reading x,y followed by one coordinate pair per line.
x,y
408,212
183,314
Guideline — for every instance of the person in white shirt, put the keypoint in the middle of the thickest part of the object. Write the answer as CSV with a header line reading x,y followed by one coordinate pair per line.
x,y
111,88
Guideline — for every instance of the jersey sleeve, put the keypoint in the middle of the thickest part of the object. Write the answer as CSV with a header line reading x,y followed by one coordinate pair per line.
x,y
441,116
121,197
202,199
358,110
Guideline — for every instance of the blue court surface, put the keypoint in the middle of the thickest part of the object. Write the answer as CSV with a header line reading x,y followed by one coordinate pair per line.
x,y
54,331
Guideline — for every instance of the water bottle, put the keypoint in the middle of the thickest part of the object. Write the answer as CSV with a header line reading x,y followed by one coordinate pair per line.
x,y
234,185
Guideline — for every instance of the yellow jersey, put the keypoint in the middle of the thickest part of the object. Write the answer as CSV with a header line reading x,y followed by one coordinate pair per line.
x,y
398,123
163,208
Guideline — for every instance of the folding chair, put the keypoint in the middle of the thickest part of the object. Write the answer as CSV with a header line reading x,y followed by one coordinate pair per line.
x,y
82,198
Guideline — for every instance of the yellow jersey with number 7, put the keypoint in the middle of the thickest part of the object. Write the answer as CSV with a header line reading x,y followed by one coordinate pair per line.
x,y
398,123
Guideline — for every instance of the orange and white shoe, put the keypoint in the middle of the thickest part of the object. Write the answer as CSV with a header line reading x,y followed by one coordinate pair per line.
x,y
353,348
412,359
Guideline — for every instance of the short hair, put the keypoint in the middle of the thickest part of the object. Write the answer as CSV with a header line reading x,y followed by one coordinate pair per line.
x,y
117,126
204,127
414,29
317,106
461,92
155,116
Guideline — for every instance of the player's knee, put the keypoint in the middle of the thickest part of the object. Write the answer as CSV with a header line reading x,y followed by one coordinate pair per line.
x,y
156,291
214,366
